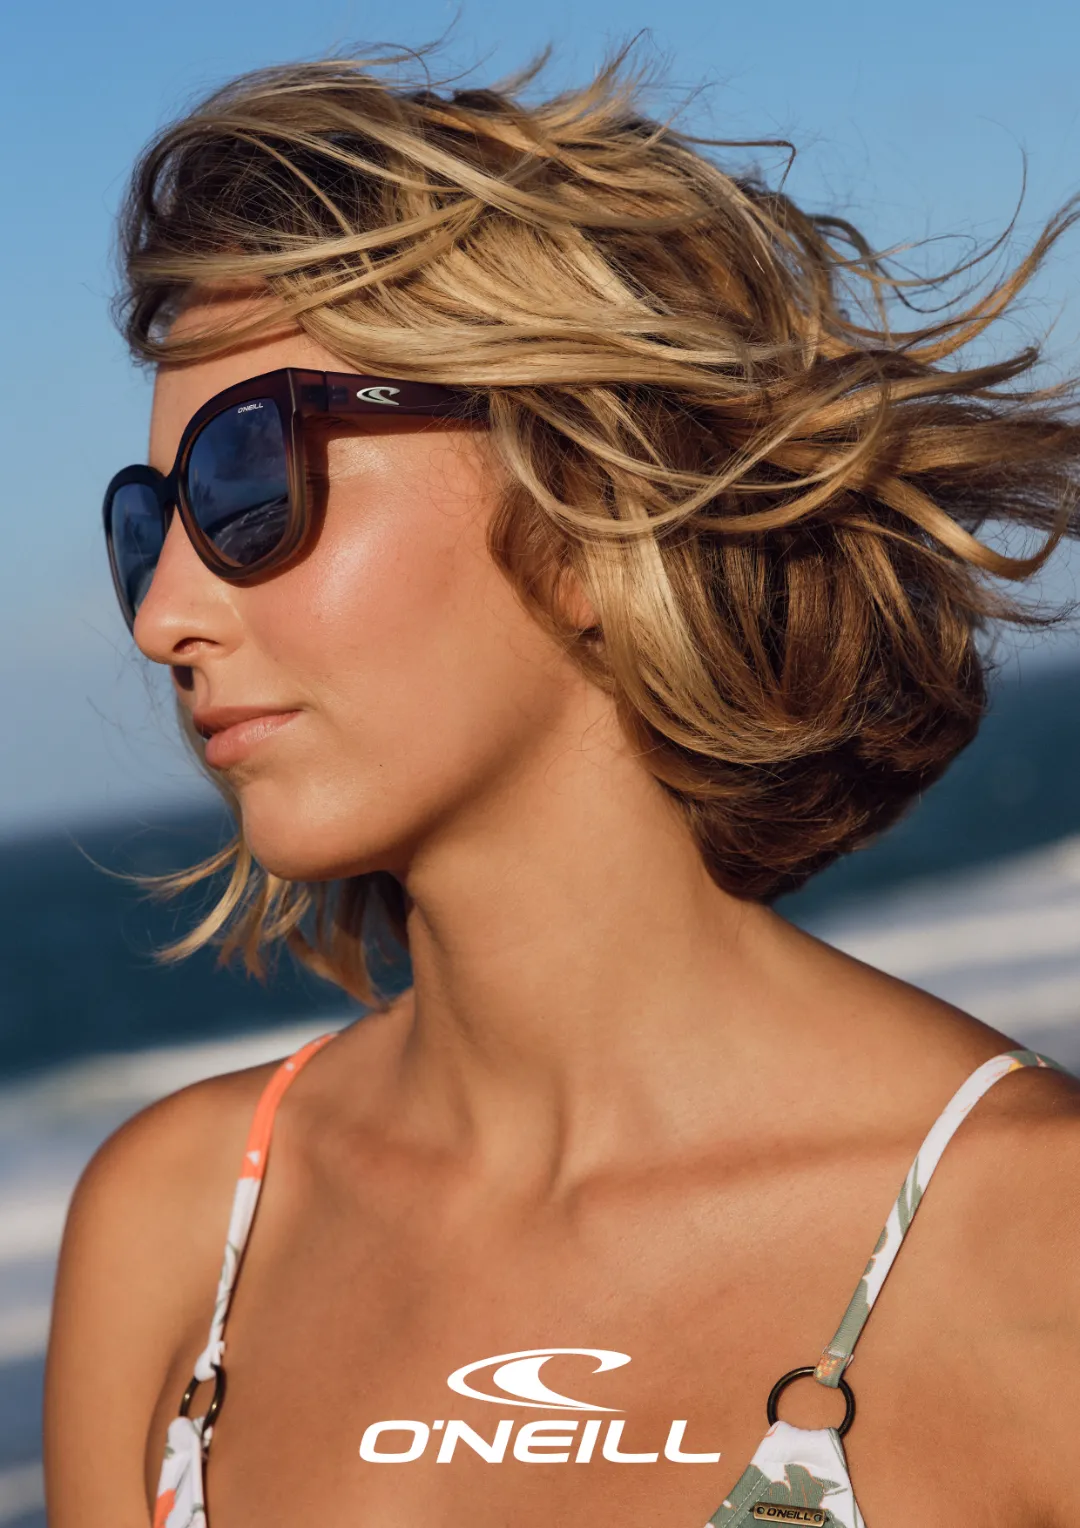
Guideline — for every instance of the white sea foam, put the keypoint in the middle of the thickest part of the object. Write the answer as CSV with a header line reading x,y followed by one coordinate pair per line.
x,y
22,1489
1001,942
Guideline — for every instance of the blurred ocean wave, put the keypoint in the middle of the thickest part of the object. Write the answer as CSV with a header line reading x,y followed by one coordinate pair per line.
x,y
1002,943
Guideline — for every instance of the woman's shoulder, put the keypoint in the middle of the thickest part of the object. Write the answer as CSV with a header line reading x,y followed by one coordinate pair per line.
x,y
1017,1157
138,1267
146,1224
154,1200
993,1275
1002,1119
167,1158
934,1085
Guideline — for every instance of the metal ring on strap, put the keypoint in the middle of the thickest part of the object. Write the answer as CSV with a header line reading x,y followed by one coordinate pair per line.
x,y
793,1374
215,1400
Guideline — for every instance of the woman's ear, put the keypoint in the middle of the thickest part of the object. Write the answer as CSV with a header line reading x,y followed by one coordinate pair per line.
x,y
573,606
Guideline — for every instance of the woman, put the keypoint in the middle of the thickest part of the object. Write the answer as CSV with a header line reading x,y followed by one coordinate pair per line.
x,y
570,559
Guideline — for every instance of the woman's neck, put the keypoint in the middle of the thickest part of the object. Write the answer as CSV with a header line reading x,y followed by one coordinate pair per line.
x,y
581,984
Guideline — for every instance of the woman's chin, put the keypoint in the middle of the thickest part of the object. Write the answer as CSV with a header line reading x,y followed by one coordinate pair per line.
x,y
299,850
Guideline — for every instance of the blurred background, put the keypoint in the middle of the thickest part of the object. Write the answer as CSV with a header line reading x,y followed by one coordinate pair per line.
x,y
920,122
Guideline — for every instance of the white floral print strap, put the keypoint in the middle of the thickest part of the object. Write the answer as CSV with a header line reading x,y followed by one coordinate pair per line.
x,y
798,1475
841,1349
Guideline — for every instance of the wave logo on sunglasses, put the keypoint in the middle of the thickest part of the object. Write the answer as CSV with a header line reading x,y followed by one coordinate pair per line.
x,y
378,395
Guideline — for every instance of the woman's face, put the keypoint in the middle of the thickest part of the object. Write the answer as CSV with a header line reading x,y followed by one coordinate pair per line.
x,y
424,689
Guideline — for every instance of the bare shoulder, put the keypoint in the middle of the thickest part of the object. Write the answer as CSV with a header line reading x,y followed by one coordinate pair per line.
x,y
150,1184
1004,1218
1020,1155
138,1268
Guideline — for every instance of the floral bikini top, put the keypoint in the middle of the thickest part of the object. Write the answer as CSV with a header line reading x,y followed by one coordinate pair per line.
x,y
798,1475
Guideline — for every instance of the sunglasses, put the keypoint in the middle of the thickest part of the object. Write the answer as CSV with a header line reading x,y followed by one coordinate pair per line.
x,y
240,476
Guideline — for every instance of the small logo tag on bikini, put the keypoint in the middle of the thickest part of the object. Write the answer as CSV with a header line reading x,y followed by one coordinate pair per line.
x,y
776,1512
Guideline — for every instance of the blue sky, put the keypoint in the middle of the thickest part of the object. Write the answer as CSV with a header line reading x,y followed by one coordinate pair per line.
x,y
912,119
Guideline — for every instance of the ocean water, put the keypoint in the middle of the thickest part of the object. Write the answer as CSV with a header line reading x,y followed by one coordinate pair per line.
x,y
974,895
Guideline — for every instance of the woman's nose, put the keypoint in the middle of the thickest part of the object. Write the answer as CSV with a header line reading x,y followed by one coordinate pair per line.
x,y
184,601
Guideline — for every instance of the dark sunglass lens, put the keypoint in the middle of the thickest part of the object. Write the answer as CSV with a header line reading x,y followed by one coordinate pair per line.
x,y
138,533
237,481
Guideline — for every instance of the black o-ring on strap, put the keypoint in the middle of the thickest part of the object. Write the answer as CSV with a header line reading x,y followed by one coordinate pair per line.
x,y
215,1400
793,1374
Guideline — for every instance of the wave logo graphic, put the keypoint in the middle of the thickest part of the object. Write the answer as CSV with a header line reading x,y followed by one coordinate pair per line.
x,y
517,1378
378,395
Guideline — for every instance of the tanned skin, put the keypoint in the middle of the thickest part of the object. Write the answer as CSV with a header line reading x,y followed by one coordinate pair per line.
x,y
620,1108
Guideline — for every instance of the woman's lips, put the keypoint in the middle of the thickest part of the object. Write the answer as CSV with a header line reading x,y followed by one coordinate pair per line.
x,y
234,743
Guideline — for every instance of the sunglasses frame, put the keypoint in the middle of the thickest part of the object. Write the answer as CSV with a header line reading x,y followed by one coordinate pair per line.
x,y
299,395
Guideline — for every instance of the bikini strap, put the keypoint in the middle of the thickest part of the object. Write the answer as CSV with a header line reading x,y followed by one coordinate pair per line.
x,y
841,1349
246,1197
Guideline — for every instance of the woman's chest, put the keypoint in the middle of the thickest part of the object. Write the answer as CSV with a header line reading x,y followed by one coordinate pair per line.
x,y
494,1390
569,1378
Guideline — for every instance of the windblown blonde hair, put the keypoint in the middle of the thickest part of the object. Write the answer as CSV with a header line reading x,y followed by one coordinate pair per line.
x,y
770,494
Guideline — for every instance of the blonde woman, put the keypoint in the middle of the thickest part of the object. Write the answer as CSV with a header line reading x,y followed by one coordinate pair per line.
x,y
558,557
